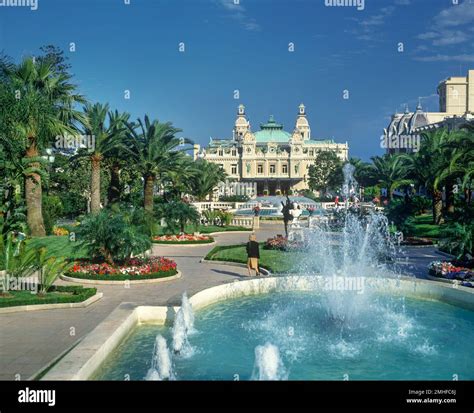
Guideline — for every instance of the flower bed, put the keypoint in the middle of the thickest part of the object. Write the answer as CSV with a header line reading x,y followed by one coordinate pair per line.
x,y
281,243
60,231
134,269
450,271
183,239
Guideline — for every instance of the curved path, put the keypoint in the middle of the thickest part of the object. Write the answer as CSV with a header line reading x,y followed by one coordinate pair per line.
x,y
31,340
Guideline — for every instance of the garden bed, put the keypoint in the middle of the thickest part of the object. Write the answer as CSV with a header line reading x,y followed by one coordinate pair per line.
x,y
185,239
281,243
55,295
462,271
135,269
207,229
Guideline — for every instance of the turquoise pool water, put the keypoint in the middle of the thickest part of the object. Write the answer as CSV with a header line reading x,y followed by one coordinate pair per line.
x,y
368,338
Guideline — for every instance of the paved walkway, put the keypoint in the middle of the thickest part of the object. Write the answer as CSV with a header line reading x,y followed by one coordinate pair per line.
x,y
31,340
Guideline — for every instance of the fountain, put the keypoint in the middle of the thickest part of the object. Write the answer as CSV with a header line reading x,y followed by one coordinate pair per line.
x,y
183,326
348,321
268,364
161,365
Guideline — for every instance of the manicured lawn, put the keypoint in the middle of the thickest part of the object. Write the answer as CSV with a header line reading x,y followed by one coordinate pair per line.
x,y
58,246
275,261
424,227
190,229
56,294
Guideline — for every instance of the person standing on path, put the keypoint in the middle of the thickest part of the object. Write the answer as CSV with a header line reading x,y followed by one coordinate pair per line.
x,y
253,254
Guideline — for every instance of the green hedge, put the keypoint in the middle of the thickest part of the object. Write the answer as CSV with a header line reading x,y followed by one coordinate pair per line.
x,y
121,277
55,295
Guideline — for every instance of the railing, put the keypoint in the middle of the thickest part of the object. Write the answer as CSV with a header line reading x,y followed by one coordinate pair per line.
x,y
213,206
246,222
363,205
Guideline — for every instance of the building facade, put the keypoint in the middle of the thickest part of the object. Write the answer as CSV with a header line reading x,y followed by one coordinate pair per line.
x,y
272,160
456,108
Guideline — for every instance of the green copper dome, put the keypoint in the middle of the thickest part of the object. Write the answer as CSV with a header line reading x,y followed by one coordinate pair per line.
x,y
272,132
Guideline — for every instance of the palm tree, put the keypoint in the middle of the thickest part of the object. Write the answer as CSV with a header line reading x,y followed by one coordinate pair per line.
x,y
155,150
117,155
46,109
108,139
177,181
459,165
390,172
362,172
207,176
425,165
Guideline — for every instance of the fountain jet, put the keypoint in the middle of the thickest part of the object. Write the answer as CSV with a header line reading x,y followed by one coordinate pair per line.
x,y
161,364
183,326
268,364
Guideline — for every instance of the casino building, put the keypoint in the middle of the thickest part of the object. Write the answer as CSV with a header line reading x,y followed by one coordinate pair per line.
x,y
272,159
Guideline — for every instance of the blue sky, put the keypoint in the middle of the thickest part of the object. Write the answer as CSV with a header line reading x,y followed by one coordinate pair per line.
x,y
244,47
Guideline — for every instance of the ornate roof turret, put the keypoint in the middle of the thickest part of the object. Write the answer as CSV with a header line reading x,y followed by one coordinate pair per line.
x,y
302,123
242,125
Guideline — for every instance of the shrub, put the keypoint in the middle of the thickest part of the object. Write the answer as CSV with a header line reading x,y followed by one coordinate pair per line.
x,y
60,231
226,218
211,216
16,259
114,235
458,239
421,205
52,211
399,211
55,295
177,215
49,269
283,244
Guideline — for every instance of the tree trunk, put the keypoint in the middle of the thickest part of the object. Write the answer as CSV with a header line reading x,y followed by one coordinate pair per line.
x,y
114,187
449,199
467,196
148,192
109,259
95,183
33,194
437,207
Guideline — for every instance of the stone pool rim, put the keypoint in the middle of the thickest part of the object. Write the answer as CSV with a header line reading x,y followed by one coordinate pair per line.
x,y
86,358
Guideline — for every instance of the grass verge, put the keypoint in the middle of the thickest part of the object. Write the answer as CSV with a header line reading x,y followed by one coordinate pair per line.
x,y
273,260
55,295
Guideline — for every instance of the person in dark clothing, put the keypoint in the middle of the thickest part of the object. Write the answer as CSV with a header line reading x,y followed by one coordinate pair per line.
x,y
253,254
